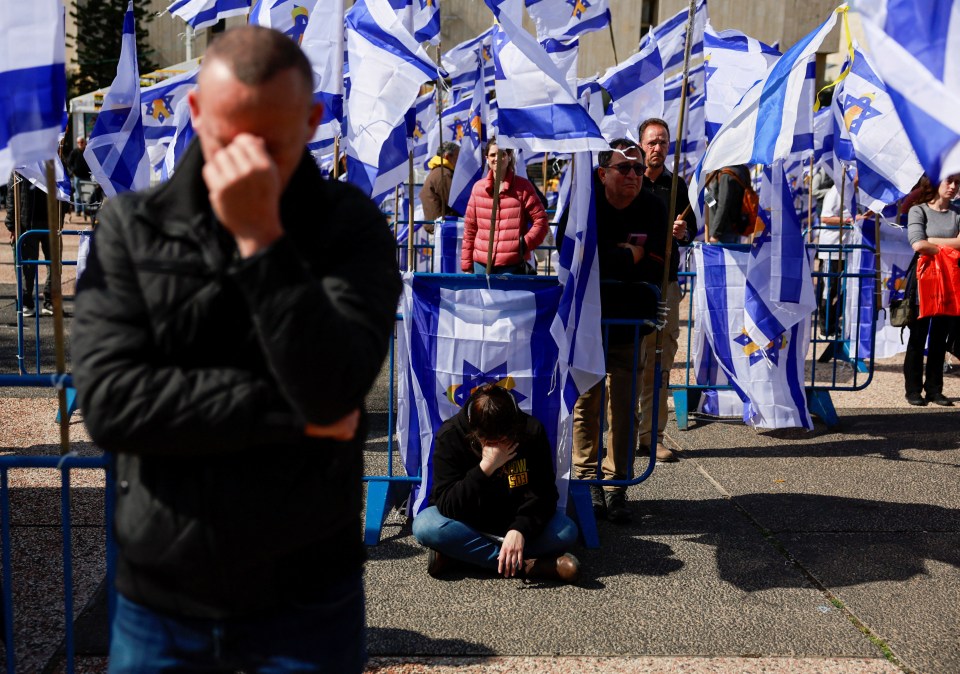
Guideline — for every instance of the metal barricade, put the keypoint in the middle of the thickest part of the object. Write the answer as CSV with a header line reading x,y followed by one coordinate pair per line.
x,y
64,464
833,352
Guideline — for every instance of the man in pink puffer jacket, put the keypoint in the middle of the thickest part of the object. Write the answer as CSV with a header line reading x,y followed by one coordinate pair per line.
x,y
521,220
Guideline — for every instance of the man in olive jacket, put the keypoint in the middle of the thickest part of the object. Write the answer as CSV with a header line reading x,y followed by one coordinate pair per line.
x,y
227,330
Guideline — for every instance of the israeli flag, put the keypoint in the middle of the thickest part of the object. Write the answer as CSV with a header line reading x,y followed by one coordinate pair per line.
x,y
916,46
465,124
567,19
36,173
420,17
693,133
323,43
462,61
387,68
182,136
823,136
733,63
205,13
778,292
636,90
158,105
761,127
671,35
421,121
116,150
768,375
462,331
887,166
536,111
564,56
895,256
33,82
290,17
576,327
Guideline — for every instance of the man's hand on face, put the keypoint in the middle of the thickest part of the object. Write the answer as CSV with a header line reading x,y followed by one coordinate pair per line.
x,y
245,192
496,454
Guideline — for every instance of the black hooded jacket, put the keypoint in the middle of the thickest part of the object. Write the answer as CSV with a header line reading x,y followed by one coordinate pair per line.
x,y
200,370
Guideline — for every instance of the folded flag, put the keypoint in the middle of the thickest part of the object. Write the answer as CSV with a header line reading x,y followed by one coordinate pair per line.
x,y
205,13
636,89
568,19
290,17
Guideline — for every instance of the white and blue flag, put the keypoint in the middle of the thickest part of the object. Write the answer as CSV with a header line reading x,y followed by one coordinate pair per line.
x,y
761,128
769,375
37,175
636,90
182,135
421,120
116,150
387,68
567,19
464,122
460,332
536,109
916,47
733,63
886,164
290,17
461,63
778,292
564,55
205,13
33,82
420,17
693,134
323,43
158,104
670,36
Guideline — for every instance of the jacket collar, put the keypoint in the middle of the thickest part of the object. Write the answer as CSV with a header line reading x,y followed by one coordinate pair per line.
x,y
504,182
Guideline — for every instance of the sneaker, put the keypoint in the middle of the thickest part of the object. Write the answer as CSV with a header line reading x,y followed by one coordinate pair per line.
x,y
916,399
939,399
563,568
29,312
437,563
598,501
46,309
617,511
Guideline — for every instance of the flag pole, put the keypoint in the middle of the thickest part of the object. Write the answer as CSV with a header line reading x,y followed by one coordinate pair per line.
x,y
56,292
810,204
336,157
410,255
877,290
497,178
613,44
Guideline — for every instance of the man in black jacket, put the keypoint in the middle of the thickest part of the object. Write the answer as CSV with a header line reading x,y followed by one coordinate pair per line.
x,y
227,329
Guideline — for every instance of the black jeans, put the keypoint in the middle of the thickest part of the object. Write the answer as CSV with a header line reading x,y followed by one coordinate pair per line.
x,y
913,368
30,250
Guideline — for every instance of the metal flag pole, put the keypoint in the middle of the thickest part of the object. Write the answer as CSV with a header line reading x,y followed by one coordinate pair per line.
x,y
56,292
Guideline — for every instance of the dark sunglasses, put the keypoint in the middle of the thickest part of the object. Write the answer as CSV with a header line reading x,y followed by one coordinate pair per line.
x,y
624,168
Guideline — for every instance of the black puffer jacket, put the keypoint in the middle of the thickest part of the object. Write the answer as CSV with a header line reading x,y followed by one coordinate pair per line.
x,y
200,369
33,206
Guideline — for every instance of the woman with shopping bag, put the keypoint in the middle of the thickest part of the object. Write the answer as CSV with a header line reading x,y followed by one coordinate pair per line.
x,y
933,228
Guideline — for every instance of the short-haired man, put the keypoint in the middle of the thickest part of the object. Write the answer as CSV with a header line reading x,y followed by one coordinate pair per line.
x,y
435,192
227,330
655,141
630,244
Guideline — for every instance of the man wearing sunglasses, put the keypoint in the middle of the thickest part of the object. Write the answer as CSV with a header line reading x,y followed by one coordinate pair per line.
x,y
631,240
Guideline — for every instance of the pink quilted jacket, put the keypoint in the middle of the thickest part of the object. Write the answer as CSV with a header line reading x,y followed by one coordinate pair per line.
x,y
519,213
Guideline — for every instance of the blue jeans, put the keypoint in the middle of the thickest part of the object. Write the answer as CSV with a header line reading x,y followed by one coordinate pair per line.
x,y
459,541
327,635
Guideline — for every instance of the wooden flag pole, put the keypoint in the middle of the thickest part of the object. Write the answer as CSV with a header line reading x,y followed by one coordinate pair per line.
x,y
410,255
336,157
56,292
497,179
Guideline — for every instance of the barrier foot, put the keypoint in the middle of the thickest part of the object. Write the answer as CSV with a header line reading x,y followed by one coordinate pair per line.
x,y
583,511
71,403
858,363
821,405
379,502
681,408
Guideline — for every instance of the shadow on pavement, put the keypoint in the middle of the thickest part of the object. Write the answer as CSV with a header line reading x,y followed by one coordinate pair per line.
x,y
387,640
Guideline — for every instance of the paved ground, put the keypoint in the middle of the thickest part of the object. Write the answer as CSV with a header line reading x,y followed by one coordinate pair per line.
x,y
777,551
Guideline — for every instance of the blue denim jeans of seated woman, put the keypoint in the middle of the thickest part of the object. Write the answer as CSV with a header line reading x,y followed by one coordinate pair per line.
x,y
459,541
326,635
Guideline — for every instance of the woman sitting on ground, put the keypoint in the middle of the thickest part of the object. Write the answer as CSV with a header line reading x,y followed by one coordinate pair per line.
x,y
494,498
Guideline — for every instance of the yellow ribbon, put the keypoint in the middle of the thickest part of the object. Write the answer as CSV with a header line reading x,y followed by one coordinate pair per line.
x,y
843,10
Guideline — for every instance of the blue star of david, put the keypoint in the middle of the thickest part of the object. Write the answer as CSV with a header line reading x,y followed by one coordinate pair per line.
x,y
708,69
474,377
161,108
867,111
756,354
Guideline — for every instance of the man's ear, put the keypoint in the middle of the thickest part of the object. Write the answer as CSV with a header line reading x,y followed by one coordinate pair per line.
x,y
316,114
194,104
